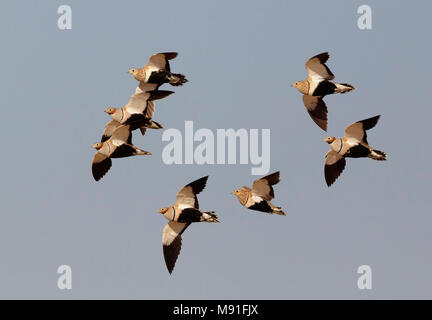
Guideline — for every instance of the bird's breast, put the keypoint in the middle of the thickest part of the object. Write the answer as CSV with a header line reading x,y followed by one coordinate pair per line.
x,y
118,115
312,87
171,214
106,149
337,145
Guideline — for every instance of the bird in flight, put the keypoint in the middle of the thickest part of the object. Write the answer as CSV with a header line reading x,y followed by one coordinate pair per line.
x,y
158,71
317,85
139,110
258,198
180,215
353,145
119,145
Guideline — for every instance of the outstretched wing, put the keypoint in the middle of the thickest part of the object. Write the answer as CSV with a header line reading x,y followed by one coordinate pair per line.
x,y
334,165
149,110
317,110
263,187
100,165
109,129
316,68
122,135
186,197
172,242
357,131
137,102
146,87
160,60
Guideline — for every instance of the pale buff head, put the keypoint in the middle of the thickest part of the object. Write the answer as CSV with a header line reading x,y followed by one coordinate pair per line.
x,y
163,210
133,72
241,195
301,86
97,145
329,139
110,111
115,113
138,74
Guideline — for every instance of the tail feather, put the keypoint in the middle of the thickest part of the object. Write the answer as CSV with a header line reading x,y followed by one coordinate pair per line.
x,y
152,125
209,216
141,152
275,210
344,87
378,155
176,79
155,125
143,130
278,210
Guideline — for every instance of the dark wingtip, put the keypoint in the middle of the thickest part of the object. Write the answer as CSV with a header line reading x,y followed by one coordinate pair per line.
x,y
323,56
159,94
324,127
321,124
97,178
205,178
170,55
370,122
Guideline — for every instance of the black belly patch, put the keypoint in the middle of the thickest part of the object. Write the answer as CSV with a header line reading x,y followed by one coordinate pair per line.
x,y
261,206
324,88
357,151
189,215
158,77
123,151
137,120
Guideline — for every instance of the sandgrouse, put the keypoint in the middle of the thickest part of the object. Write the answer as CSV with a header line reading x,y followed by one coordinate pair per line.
x,y
180,215
258,198
316,86
353,145
139,110
158,71
119,145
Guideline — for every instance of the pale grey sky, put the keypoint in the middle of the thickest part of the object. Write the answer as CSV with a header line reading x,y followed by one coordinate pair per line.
x,y
240,58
